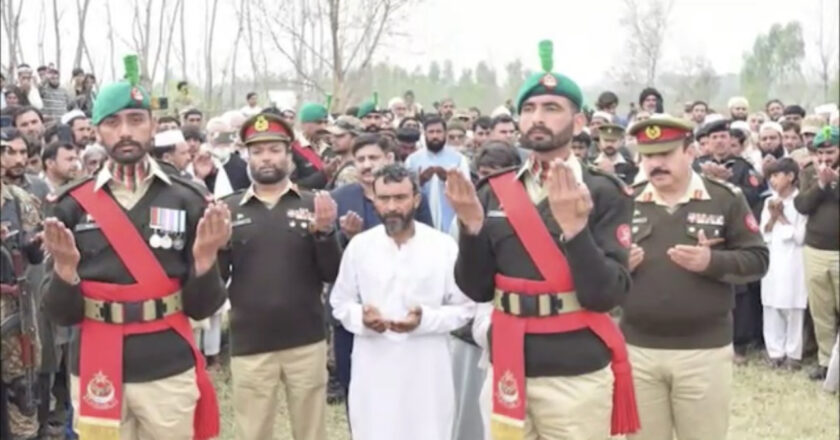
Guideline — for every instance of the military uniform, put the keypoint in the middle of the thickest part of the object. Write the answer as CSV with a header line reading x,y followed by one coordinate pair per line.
x,y
624,167
19,215
309,167
822,249
678,323
135,229
277,316
567,397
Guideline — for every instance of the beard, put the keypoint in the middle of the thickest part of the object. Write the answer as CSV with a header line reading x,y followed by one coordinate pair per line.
x,y
610,151
268,175
435,145
396,223
124,156
552,141
739,117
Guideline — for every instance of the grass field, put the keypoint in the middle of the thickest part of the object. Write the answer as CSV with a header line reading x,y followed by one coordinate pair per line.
x,y
767,405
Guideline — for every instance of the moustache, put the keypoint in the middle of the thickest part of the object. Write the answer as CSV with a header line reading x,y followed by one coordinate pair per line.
x,y
659,172
538,129
127,143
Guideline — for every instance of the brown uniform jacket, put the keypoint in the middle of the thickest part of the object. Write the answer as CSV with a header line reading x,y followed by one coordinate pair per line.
x,y
670,307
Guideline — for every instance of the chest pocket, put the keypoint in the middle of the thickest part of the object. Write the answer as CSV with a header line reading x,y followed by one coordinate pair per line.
x,y
710,231
242,231
90,241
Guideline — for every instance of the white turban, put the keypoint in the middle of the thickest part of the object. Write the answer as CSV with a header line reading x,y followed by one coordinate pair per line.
x,y
603,115
73,114
738,101
394,102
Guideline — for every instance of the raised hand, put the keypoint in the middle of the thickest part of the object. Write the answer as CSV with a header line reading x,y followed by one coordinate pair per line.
x,y
326,212
826,175
411,321
694,258
332,166
212,233
61,244
570,202
464,201
351,224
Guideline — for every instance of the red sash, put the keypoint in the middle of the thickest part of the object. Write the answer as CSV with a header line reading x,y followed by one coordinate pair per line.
x,y
310,155
101,353
508,338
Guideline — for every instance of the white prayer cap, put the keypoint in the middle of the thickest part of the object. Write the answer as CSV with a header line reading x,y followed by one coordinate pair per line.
x,y
603,115
217,124
738,101
826,109
169,138
744,126
500,110
712,117
71,115
772,126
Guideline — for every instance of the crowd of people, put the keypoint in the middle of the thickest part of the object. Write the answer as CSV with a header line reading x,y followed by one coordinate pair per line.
x,y
545,271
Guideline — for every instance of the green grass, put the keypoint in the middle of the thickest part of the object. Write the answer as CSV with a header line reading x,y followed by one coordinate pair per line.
x,y
767,405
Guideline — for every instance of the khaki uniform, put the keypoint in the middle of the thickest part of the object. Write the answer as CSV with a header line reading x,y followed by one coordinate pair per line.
x,y
20,216
678,323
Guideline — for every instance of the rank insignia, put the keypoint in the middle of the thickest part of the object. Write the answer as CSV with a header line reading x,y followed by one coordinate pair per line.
x,y
549,81
261,124
653,132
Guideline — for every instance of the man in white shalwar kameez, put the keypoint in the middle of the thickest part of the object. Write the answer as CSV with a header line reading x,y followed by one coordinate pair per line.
x,y
396,293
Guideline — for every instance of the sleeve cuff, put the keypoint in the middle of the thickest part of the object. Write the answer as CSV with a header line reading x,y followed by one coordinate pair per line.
x,y
717,265
581,244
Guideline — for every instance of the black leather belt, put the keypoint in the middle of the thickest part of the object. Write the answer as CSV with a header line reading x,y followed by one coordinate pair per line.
x,y
113,312
535,306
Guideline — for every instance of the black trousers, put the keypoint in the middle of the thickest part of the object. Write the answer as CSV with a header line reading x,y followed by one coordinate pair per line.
x,y
747,315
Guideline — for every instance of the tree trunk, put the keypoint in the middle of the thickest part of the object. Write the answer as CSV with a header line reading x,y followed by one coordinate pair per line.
x,y
111,41
42,31
183,46
208,54
169,48
56,20
82,9
161,27
241,16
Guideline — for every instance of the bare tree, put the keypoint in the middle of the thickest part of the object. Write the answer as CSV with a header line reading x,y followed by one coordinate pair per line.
x,y
240,13
57,25
826,44
646,23
81,15
169,44
252,47
42,31
209,30
11,23
110,40
140,35
183,45
326,40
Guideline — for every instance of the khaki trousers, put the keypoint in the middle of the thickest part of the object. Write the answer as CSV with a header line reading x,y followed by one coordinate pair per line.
x,y
682,392
822,278
564,407
256,381
160,409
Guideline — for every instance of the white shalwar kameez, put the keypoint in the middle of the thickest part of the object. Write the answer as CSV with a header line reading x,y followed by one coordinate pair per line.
x,y
783,292
401,384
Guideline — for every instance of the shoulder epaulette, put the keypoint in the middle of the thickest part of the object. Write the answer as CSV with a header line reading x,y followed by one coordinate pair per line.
x,y
198,189
481,182
64,190
231,196
622,187
734,190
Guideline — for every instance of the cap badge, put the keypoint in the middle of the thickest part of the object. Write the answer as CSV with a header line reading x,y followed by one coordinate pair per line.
x,y
261,124
549,81
136,94
826,132
653,132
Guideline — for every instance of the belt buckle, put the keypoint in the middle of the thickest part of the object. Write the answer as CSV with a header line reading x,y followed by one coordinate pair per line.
x,y
556,304
132,312
528,305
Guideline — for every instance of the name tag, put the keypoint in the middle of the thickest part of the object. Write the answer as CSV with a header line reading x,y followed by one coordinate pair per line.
x,y
705,219
241,222
81,227
496,213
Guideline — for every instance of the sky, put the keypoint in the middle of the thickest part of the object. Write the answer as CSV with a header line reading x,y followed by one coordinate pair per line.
x,y
587,37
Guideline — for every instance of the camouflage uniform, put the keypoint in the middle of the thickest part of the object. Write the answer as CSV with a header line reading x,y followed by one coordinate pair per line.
x,y
18,212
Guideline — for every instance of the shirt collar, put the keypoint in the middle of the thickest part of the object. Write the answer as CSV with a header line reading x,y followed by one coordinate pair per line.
x,y
529,168
616,159
696,191
251,194
104,175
